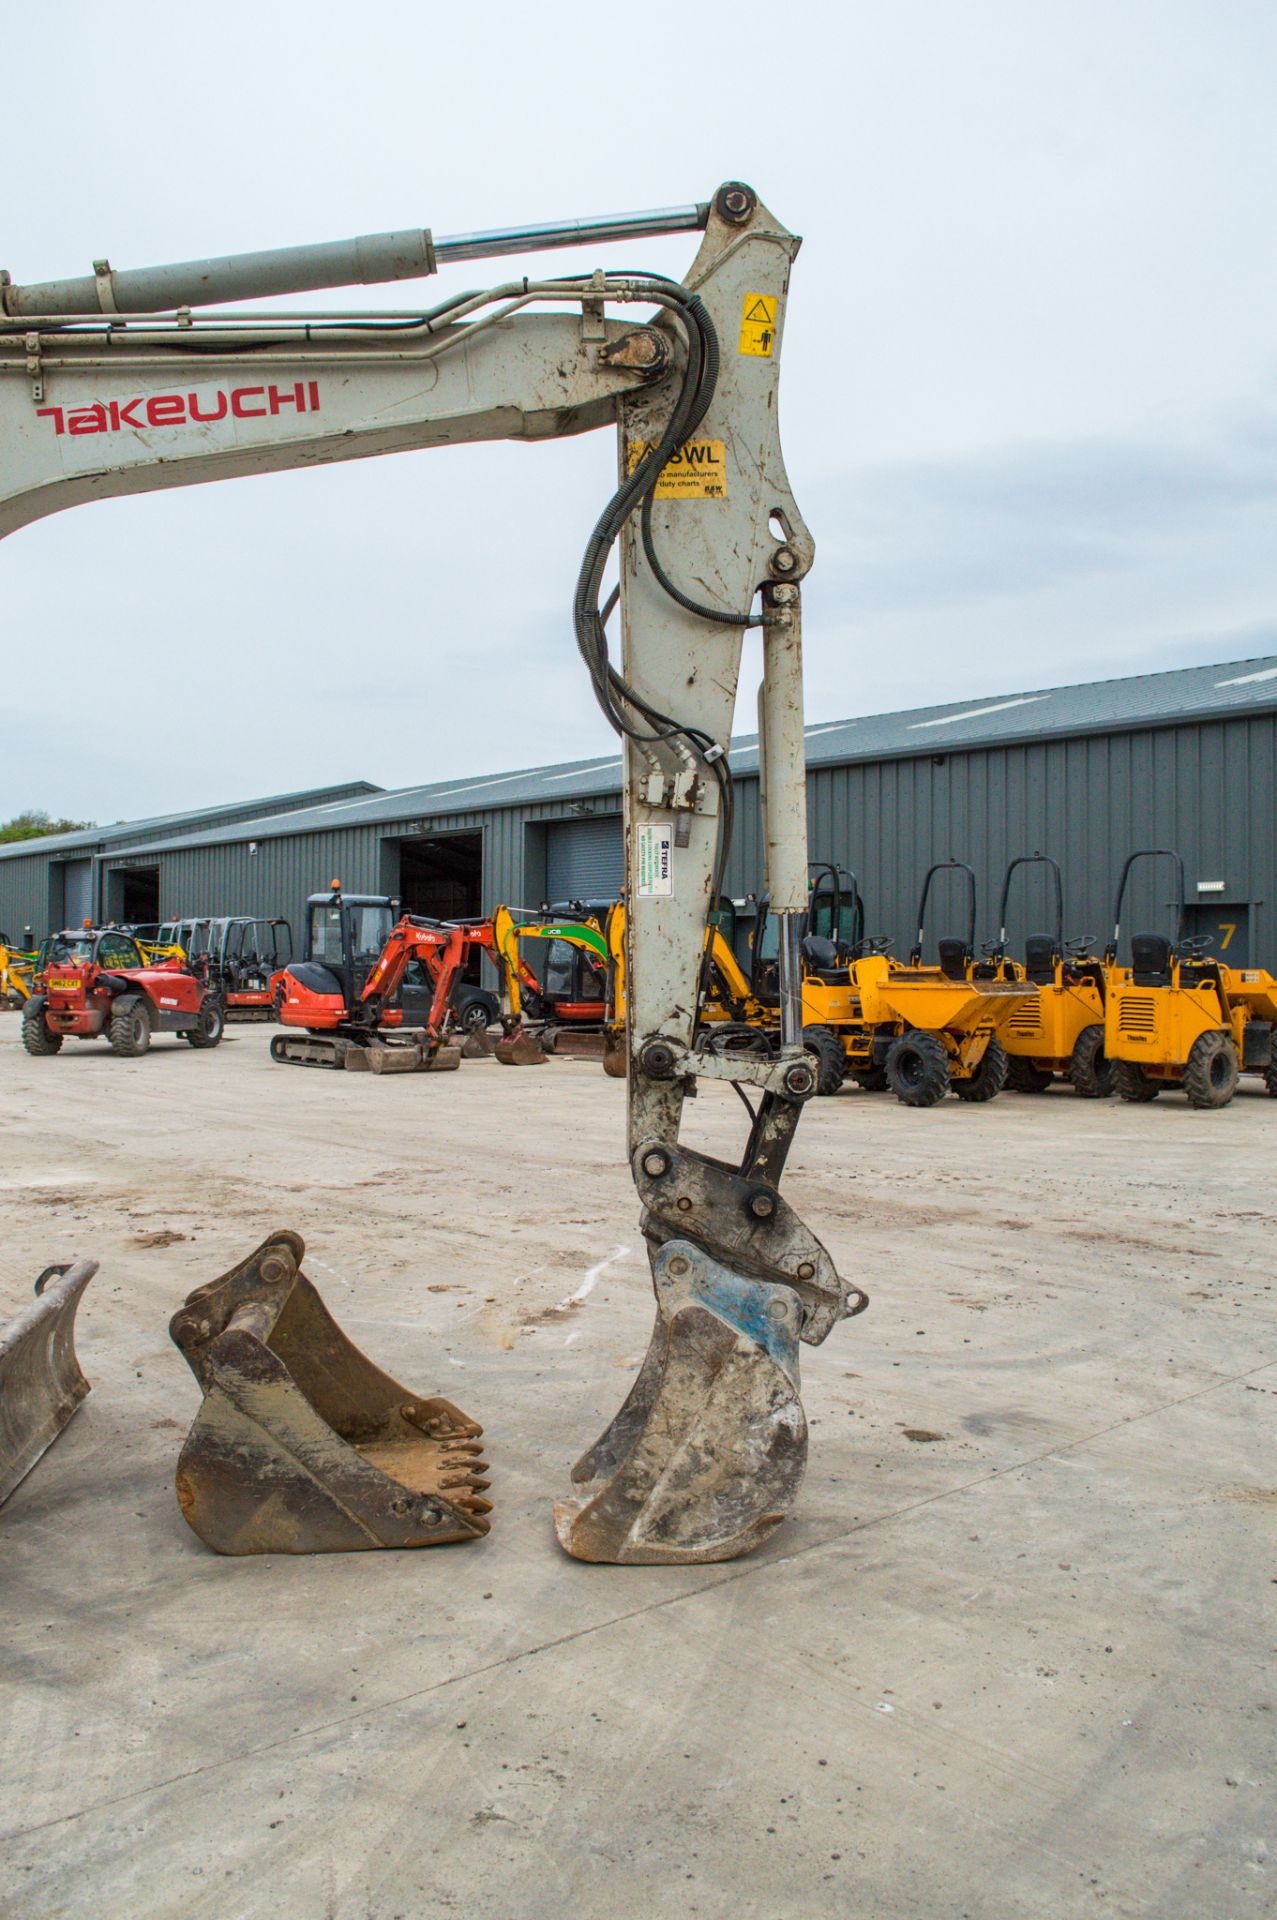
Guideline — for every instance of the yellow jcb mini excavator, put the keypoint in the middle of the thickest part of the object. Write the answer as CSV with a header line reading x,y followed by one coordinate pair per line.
x,y
119,382
1060,1032
567,996
1177,1018
17,966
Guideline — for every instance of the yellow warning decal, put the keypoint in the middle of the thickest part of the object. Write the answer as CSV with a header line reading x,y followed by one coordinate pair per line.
x,y
758,324
698,471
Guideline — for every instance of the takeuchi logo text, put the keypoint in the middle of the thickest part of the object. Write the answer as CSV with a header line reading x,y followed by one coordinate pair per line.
x,y
200,408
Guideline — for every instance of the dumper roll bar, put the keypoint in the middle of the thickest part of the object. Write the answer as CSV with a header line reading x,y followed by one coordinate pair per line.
x,y
1031,860
944,866
1147,853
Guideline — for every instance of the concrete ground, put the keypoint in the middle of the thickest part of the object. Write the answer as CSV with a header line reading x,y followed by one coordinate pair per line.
x,y
1012,1659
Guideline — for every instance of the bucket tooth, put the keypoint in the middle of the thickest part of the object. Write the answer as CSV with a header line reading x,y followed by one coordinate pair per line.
x,y
41,1384
301,1444
705,1457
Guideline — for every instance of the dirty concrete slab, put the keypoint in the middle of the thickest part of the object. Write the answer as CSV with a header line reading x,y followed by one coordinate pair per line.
x,y
1013,1655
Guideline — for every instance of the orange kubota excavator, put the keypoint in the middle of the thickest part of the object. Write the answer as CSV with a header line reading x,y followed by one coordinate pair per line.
x,y
343,994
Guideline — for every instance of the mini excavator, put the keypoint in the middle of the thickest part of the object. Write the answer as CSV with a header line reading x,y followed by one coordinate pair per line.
x,y
342,997
121,382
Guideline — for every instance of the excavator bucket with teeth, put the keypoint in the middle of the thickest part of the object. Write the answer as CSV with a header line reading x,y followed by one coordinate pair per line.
x,y
705,1457
302,1445
41,1384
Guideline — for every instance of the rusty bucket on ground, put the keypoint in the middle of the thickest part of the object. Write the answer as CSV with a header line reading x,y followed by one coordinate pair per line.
x,y
302,1445
522,1048
41,1384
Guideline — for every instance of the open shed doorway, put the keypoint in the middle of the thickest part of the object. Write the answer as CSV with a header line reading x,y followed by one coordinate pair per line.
x,y
440,877
137,890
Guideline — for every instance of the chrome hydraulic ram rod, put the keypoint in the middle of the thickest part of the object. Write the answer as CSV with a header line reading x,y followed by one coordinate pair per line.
x,y
368,261
782,747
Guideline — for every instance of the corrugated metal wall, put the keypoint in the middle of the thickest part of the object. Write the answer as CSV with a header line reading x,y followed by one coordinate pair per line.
x,y
227,878
1208,789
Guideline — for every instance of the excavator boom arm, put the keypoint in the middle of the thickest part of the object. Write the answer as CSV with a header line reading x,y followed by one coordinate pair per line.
x,y
704,1457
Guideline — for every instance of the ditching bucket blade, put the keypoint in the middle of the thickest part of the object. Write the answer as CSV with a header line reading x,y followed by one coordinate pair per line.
x,y
706,1456
445,1059
41,1384
377,1057
302,1445
521,1049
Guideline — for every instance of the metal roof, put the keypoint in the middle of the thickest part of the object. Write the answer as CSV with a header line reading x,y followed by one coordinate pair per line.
x,y
1100,706
90,839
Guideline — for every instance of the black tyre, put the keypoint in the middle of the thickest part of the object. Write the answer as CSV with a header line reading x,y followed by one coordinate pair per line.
x,y
1024,1077
1210,1073
826,1049
872,1079
36,1037
1270,1078
477,1017
1133,1083
1092,1073
211,1025
917,1068
129,1028
989,1078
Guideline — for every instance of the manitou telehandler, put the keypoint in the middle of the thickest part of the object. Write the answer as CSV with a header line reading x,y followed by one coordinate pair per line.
x,y
94,984
120,382
1059,1032
1177,1018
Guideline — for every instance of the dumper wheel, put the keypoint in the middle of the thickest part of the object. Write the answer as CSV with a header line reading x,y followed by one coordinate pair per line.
x,y
831,1062
1091,1071
36,1036
1270,1078
1024,1077
1133,1083
989,1077
1210,1073
872,1079
129,1029
209,1028
918,1068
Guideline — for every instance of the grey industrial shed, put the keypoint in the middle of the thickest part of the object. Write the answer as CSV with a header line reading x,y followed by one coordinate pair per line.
x,y
65,878
1185,759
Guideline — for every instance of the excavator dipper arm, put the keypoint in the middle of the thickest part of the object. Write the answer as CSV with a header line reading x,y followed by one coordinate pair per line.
x,y
111,396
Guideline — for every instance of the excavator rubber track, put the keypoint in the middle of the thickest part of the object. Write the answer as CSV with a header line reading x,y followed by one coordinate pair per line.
x,y
301,1444
382,1055
41,1383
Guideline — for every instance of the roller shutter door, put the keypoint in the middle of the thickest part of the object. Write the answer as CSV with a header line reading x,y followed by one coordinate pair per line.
x,y
77,895
585,859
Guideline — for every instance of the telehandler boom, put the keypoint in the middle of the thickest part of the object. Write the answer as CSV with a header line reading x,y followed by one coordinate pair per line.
x,y
112,384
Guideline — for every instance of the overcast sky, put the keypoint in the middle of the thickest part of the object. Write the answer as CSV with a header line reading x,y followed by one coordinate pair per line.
x,y
1030,379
